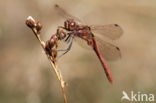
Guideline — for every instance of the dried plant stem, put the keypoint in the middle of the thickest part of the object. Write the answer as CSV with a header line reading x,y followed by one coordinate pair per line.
x,y
54,66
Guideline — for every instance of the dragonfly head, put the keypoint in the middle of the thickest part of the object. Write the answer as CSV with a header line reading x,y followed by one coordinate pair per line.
x,y
70,24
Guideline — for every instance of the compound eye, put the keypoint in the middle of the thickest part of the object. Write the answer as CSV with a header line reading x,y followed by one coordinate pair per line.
x,y
72,25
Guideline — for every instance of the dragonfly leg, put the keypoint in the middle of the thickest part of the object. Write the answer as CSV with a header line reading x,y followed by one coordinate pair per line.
x,y
62,50
68,39
68,49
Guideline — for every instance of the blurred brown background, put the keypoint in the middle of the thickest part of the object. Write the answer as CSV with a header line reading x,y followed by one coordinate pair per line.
x,y
25,73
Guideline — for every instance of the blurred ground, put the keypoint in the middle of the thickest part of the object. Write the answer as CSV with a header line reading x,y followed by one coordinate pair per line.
x,y
25,74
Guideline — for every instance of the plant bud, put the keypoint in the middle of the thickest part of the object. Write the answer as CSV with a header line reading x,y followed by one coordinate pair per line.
x,y
30,22
38,26
51,43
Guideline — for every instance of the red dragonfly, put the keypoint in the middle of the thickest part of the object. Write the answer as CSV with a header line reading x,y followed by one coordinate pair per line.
x,y
104,50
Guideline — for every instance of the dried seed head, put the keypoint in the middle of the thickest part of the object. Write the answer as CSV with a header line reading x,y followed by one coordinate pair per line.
x,y
51,42
47,46
38,26
30,22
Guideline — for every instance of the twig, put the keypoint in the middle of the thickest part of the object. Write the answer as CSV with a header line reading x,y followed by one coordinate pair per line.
x,y
36,27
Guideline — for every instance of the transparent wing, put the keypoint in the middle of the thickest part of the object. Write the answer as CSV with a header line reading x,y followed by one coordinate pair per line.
x,y
112,31
65,14
82,43
108,50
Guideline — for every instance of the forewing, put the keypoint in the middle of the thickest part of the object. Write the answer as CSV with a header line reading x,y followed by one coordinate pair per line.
x,y
64,13
108,50
112,31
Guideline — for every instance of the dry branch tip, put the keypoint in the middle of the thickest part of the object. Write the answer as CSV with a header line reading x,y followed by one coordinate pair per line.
x,y
36,28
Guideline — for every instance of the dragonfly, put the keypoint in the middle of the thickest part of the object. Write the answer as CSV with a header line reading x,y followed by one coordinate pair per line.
x,y
74,29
